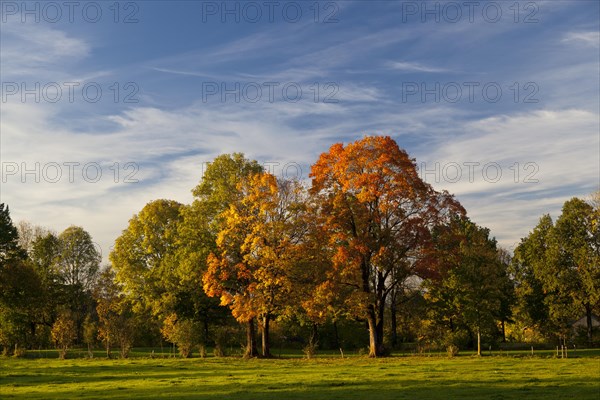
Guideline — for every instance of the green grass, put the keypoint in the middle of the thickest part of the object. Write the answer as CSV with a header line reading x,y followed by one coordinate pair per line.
x,y
512,376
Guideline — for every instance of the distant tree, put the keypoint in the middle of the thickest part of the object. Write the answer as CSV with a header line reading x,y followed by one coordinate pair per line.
x,y
116,325
379,215
473,282
29,233
557,268
64,333
78,261
9,238
183,333
90,331
573,269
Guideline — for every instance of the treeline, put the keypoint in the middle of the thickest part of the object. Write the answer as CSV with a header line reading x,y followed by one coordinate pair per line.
x,y
368,256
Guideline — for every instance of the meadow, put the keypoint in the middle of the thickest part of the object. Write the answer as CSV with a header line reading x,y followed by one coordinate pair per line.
x,y
512,375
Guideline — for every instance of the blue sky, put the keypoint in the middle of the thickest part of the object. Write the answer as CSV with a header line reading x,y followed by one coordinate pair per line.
x,y
497,101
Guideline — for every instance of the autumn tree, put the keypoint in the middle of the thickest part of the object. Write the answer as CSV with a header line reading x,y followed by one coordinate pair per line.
x,y
116,325
256,246
379,215
64,333
202,221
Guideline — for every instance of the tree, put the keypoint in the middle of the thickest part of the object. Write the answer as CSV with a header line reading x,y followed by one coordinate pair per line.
x,y
144,258
20,288
116,322
379,215
78,261
9,238
574,262
198,232
558,270
28,234
64,333
256,250
76,265
473,287
181,332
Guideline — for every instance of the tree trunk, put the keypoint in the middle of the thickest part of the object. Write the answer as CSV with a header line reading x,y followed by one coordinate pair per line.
x,y
375,333
503,332
478,342
588,317
314,334
394,322
250,340
336,336
266,345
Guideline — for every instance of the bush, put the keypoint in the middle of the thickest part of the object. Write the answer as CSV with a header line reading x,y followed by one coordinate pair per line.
x,y
181,332
452,350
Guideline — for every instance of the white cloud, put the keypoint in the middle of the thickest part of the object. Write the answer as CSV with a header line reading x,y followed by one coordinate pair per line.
x,y
413,67
591,38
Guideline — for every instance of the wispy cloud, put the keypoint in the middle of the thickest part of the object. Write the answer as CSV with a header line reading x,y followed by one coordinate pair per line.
x,y
591,38
412,67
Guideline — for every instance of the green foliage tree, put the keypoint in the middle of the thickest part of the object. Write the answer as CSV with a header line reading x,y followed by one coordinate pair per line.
x,y
473,281
144,258
20,287
557,269
9,238
181,332
573,267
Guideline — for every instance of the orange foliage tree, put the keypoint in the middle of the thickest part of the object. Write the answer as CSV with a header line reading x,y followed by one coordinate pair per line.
x,y
378,214
256,249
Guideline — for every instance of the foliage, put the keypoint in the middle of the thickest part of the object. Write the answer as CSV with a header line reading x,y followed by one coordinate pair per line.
x,y
116,320
378,214
64,333
256,250
557,270
472,281
184,333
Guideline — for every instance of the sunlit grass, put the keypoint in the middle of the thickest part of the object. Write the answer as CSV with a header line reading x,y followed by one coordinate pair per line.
x,y
408,377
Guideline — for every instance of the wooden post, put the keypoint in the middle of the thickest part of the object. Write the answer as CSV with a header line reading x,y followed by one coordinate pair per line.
x,y
532,351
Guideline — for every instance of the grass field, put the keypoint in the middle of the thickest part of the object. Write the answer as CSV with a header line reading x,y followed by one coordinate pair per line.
x,y
510,376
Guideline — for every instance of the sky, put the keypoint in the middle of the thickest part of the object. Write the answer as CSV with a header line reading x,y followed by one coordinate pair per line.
x,y
108,105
